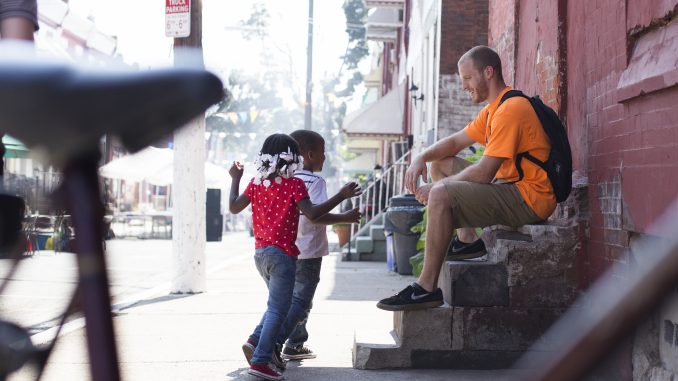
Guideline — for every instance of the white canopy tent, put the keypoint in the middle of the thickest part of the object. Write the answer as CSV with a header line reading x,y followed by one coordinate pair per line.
x,y
155,166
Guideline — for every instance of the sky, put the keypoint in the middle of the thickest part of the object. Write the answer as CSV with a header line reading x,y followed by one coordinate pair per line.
x,y
140,28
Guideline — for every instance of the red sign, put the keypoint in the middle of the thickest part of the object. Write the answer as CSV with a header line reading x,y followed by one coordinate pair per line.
x,y
177,18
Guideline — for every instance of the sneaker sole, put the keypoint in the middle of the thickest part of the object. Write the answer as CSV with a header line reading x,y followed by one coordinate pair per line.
x,y
456,257
264,375
298,357
248,351
410,307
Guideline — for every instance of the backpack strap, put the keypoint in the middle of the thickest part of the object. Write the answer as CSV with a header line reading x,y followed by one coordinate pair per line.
x,y
526,154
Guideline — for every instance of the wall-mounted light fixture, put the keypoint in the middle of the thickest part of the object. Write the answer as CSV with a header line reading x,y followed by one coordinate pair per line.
x,y
414,89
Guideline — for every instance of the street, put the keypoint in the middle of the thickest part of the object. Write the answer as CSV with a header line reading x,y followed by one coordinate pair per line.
x,y
42,287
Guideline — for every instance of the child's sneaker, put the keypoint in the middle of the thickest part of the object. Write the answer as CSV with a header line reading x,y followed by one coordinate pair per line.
x,y
265,371
277,360
298,353
248,349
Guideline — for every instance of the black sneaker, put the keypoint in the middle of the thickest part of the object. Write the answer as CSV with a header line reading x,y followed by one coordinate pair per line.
x,y
460,250
277,359
297,353
413,297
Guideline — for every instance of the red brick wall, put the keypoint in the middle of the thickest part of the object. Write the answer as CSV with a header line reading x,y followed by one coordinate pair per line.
x,y
523,34
502,35
580,58
631,142
463,25
610,66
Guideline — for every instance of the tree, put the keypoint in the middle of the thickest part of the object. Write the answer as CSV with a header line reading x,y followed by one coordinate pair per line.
x,y
356,13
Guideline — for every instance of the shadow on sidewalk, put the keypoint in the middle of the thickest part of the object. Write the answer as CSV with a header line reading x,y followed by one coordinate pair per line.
x,y
363,281
159,299
299,373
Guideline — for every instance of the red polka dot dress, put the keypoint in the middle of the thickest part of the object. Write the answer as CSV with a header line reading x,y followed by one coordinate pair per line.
x,y
275,215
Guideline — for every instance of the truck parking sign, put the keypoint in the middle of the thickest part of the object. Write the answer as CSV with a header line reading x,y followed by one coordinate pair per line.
x,y
177,18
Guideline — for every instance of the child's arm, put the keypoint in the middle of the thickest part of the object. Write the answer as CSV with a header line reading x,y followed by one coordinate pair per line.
x,y
352,216
312,212
236,201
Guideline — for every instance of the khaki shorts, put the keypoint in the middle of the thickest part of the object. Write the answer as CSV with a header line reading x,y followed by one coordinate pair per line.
x,y
479,205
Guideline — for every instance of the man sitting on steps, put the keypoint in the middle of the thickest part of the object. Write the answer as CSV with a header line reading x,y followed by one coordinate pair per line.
x,y
464,195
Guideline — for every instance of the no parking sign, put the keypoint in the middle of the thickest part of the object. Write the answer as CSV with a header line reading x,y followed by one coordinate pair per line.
x,y
177,18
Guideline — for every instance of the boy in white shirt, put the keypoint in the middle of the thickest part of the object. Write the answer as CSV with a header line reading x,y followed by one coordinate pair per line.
x,y
312,243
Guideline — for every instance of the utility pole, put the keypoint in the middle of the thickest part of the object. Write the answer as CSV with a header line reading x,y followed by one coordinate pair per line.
x,y
309,69
188,187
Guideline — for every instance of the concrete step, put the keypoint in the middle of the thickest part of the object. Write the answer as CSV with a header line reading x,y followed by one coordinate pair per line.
x,y
377,232
458,338
496,306
474,283
364,245
378,252
349,253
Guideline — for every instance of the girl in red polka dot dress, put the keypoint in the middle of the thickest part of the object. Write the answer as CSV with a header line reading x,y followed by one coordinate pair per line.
x,y
276,197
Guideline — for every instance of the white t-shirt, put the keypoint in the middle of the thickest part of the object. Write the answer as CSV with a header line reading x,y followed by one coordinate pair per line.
x,y
312,238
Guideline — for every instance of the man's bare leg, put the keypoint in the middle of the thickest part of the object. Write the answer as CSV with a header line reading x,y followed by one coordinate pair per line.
x,y
440,170
438,236
17,28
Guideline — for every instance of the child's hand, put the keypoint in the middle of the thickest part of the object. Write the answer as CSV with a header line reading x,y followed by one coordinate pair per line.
x,y
351,189
236,170
352,216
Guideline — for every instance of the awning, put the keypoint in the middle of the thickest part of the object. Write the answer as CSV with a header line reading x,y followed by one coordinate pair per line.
x,y
382,118
383,24
14,149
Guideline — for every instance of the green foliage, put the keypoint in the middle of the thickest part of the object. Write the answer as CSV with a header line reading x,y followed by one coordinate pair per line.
x,y
421,229
356,14
256,26
417,262
476,155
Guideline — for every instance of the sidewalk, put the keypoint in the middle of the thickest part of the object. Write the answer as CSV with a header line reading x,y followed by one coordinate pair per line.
x,y
199,337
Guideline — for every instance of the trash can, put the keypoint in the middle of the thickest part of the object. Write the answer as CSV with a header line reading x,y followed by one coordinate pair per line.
x,y
390,259
403,213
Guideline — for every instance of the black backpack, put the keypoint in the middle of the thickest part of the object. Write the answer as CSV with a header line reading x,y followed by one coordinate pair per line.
x,y
558,166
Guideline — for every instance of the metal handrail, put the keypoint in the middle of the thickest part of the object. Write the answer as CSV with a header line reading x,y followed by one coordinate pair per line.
x,y
374,199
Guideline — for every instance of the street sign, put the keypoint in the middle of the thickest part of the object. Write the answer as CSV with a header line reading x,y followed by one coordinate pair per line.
x,y
177,18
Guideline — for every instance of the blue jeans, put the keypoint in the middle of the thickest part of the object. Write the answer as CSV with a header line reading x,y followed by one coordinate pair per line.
x,y
305,283
278,270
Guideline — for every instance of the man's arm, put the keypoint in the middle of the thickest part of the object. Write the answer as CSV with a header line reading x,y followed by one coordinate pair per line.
x,y
446,147
482,172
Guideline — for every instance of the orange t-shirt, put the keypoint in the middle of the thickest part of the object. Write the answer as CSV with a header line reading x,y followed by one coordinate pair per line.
x,y
505,133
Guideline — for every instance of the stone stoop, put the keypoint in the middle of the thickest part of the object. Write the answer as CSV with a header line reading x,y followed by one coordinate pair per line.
x,y
495,308
371,247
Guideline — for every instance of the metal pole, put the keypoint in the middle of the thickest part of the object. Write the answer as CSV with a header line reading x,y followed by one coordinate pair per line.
x,y
81,184
309,69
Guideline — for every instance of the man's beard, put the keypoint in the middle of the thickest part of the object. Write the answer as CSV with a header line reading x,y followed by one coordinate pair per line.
x,y
481,92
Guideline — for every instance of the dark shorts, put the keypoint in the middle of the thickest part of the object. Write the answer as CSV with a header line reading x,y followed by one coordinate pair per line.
x,y
27,9
479,205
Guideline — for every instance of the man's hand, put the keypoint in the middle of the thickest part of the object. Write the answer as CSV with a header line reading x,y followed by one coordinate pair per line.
x,y
421,194
236,170
416,169
352,216
349,190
